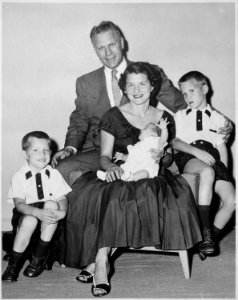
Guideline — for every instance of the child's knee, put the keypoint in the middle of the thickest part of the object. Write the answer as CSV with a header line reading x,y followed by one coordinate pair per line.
x,y
207,174
28,221
50,204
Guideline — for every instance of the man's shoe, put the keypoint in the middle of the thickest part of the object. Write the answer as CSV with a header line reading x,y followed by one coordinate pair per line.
x,y
36,267
207,247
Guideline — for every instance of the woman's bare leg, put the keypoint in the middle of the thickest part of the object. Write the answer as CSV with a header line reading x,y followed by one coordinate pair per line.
x,y
101,269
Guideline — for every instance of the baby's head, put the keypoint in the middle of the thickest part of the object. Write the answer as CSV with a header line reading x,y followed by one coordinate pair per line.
x,y
194,87
149,130
36,146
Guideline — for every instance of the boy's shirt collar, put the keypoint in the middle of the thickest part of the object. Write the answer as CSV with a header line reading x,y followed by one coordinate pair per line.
x,y
207,110
26,169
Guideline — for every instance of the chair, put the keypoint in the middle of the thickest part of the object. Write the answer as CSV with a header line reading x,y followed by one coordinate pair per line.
x,y
193,180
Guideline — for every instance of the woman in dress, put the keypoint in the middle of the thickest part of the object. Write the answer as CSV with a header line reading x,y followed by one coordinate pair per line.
x,y
159,211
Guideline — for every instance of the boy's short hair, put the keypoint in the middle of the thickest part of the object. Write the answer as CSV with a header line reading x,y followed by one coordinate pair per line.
x,y
37,134
198,76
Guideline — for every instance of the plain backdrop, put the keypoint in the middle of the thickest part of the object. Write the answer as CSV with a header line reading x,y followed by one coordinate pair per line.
x,y
46,46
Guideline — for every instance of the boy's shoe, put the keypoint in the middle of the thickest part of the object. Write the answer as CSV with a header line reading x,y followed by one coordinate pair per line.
x,y
36,267
207,246
11,274
14,267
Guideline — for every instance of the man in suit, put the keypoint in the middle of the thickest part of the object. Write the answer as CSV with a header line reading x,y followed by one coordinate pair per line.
x,y
95,95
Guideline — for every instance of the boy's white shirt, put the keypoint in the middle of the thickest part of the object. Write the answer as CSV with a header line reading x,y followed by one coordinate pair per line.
x,y
54,186
186,126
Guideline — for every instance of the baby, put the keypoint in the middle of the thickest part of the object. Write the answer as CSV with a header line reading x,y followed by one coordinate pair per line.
x,y
139,162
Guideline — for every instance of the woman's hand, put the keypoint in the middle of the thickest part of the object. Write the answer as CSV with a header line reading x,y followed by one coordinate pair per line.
x,y
113,173
157,154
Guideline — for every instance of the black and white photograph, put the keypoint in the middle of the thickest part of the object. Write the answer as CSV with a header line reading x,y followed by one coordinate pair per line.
x,y
118,156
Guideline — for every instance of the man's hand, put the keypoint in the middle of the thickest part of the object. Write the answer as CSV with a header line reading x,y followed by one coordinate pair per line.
x,y
227,129
63,153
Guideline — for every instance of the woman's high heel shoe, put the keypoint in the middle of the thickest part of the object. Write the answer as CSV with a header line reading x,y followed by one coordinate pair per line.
x,y
85,276
104,287
202,255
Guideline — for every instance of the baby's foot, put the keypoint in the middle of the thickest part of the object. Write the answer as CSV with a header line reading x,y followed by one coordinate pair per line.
x,y
101,175
127,176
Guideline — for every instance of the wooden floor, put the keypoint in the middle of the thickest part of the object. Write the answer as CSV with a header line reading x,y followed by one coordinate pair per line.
x,y
140,275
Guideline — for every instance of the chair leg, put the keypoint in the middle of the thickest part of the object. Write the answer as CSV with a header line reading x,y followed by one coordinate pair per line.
x,y
183,254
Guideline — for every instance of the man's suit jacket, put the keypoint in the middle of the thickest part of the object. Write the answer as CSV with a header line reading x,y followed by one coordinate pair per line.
x,y
92,102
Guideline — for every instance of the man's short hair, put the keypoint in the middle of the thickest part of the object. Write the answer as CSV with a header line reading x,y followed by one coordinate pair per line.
x,y
37,134
103,27
198,76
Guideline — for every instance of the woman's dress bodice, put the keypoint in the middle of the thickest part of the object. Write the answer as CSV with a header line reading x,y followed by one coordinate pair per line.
x,y
124,132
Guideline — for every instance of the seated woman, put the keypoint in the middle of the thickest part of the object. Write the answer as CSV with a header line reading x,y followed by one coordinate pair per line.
x,y
159,211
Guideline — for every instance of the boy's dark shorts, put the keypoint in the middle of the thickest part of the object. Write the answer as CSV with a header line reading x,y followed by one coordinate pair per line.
x,y
57,245
221,172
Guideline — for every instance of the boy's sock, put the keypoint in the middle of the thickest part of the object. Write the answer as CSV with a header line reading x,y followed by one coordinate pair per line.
x,y
204,213
41,248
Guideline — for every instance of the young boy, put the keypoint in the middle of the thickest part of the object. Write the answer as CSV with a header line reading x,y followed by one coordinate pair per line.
x,y
139,162
39,195
202,150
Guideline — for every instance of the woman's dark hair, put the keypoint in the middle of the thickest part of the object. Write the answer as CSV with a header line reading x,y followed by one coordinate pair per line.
x,y
151,71
37,134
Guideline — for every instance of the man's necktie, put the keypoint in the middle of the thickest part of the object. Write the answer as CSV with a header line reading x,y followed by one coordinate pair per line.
x,y
115,88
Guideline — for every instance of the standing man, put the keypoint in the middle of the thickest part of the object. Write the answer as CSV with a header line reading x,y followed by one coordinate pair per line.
x,y
96,92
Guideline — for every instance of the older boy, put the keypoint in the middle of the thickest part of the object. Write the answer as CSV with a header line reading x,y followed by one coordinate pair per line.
x,y
202,150
39,195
